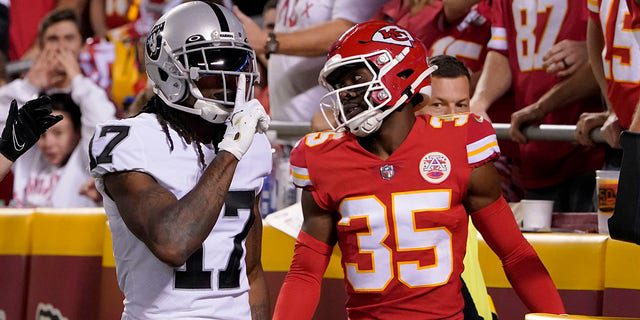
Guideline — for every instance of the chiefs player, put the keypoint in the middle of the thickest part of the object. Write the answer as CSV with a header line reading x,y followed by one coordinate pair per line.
x,y
395,192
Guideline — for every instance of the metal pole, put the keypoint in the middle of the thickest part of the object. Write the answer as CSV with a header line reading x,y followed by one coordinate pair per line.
x,y
546,132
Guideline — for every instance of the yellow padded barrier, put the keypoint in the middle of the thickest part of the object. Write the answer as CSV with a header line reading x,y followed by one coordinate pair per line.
x,y
546,316
108,260
622,265
575,261
68,232
15,231
277,252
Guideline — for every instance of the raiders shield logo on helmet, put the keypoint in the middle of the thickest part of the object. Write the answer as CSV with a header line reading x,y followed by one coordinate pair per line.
x,y
154,41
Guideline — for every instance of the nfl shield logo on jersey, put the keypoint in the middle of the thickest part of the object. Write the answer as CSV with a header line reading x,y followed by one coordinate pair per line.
x,y
435,167
386,172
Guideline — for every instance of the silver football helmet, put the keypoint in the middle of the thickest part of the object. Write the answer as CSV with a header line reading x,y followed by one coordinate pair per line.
x,y
197,40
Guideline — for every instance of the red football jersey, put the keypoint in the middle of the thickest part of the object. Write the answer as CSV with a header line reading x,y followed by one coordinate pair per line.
x,y
620,57
427,25
403,228
468,40
524,31
634,9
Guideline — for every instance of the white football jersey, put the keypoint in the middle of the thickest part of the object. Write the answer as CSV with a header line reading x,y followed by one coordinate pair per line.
x,y
213,283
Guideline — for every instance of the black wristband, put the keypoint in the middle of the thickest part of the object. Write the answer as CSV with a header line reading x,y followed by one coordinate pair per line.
x,y
272,45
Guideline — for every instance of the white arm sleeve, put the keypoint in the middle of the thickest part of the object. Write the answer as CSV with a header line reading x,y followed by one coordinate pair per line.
x,y
355,11
94,105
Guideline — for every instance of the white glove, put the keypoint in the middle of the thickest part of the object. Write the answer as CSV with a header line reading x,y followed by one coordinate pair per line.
x,y
247,118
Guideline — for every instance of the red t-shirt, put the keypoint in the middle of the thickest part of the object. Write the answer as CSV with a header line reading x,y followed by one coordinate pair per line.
x,y
403,228
426,25
25,17
634,8
467,40
524,31
620,56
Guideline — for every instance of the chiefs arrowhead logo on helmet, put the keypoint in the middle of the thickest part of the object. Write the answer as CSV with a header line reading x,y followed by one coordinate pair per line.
x,y
393,35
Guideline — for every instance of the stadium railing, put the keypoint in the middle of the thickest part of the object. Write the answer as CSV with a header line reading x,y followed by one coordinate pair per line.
x,y
549,132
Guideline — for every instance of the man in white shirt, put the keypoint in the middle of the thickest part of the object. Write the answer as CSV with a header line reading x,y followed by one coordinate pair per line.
x,y
302,36
56,70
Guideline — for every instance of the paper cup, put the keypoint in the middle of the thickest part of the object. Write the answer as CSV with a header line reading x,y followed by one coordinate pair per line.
x,y
607,184
537,213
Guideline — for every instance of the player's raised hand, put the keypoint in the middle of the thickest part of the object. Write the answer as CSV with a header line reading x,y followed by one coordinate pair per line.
x,y
247,118
25,125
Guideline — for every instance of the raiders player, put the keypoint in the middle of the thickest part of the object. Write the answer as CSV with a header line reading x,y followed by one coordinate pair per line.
x,y
181,188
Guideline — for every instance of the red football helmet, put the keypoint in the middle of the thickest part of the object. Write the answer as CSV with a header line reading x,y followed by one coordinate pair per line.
x,y
399,70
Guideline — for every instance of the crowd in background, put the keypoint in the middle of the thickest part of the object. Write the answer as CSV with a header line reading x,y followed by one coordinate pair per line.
x,y
558,62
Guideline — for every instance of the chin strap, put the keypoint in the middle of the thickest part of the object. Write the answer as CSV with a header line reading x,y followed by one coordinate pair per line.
x,y
373,122
209,111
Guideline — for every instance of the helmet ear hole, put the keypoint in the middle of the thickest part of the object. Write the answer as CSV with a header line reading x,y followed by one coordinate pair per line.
x,y
404,74
163,74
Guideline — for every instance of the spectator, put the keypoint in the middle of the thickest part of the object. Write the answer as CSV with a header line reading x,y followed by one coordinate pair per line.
x,y
562,172
268,23
51,174
634,8
450,87
56,70
618,77
428,20
303,33
25,17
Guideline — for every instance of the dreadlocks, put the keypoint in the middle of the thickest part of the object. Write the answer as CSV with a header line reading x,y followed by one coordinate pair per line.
x,y
169,117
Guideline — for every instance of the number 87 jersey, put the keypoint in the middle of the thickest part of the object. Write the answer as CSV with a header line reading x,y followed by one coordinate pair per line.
x,y
402,227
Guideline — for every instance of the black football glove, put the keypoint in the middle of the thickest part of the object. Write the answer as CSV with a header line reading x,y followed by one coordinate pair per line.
x,y
24,126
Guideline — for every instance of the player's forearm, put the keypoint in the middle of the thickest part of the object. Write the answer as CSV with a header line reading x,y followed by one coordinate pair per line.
x,y
580,85
300,292
531,281
258,295
494,82
180,229
313,41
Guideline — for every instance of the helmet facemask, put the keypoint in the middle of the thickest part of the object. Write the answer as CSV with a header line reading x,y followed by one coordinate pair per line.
x,y
223,63
210,61
373,94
